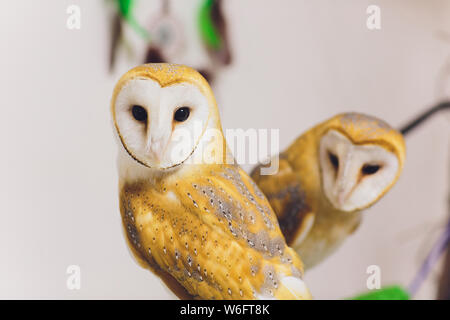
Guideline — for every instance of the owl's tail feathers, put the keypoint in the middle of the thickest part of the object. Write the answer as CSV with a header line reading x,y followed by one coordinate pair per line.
x,y
293,288
290,288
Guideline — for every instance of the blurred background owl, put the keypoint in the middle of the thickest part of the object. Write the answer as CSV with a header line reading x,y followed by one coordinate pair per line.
x,y
327,176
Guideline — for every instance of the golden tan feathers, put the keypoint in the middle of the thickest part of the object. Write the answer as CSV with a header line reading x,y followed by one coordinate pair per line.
x,y
364,129
213,231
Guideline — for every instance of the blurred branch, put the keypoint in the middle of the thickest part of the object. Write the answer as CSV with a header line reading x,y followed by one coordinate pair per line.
x,y
445,105
116,31
444,283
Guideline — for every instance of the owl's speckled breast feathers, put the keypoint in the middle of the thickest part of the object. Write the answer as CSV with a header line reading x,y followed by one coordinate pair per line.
x,y
212,230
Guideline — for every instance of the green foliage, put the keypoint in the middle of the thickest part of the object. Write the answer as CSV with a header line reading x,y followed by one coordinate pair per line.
x,y
208,31
125,7
388,293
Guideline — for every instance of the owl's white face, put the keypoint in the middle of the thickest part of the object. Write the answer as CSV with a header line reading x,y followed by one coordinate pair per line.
x,y
354,176
160,126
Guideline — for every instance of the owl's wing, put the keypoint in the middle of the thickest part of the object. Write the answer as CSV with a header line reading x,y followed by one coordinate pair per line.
x,y
165,277
215,233
288,200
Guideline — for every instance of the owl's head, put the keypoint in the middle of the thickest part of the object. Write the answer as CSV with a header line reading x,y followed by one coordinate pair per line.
x,y
361,158
161,111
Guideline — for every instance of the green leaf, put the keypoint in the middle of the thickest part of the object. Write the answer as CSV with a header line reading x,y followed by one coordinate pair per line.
x,y
387,293
208,31
125,7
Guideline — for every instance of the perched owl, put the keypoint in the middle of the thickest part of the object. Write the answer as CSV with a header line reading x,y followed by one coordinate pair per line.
x,y
189,213
327,176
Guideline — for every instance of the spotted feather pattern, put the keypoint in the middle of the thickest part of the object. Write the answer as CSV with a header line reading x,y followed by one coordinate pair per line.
x,y
213,231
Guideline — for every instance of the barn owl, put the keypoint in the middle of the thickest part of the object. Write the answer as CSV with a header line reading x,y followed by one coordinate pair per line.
x,y
190,214
327,176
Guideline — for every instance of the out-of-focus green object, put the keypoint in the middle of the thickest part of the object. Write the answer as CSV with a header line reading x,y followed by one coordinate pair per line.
x,y
126,11
208,31
125,7
388,293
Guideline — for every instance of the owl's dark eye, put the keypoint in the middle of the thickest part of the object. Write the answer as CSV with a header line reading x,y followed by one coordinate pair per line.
x,y
182,114
368,169
139,113
334,160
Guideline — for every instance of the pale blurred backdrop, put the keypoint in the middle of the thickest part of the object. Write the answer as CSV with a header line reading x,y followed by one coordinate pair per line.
x,y
295,63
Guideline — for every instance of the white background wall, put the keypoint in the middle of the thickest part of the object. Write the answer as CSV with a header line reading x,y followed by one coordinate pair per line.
x,y
296,63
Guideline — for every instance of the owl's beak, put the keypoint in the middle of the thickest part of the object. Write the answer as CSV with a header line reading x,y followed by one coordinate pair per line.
x,y
344,182
157,148
341,197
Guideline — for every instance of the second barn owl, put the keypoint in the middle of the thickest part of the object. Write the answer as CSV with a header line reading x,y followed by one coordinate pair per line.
x,y
327,176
